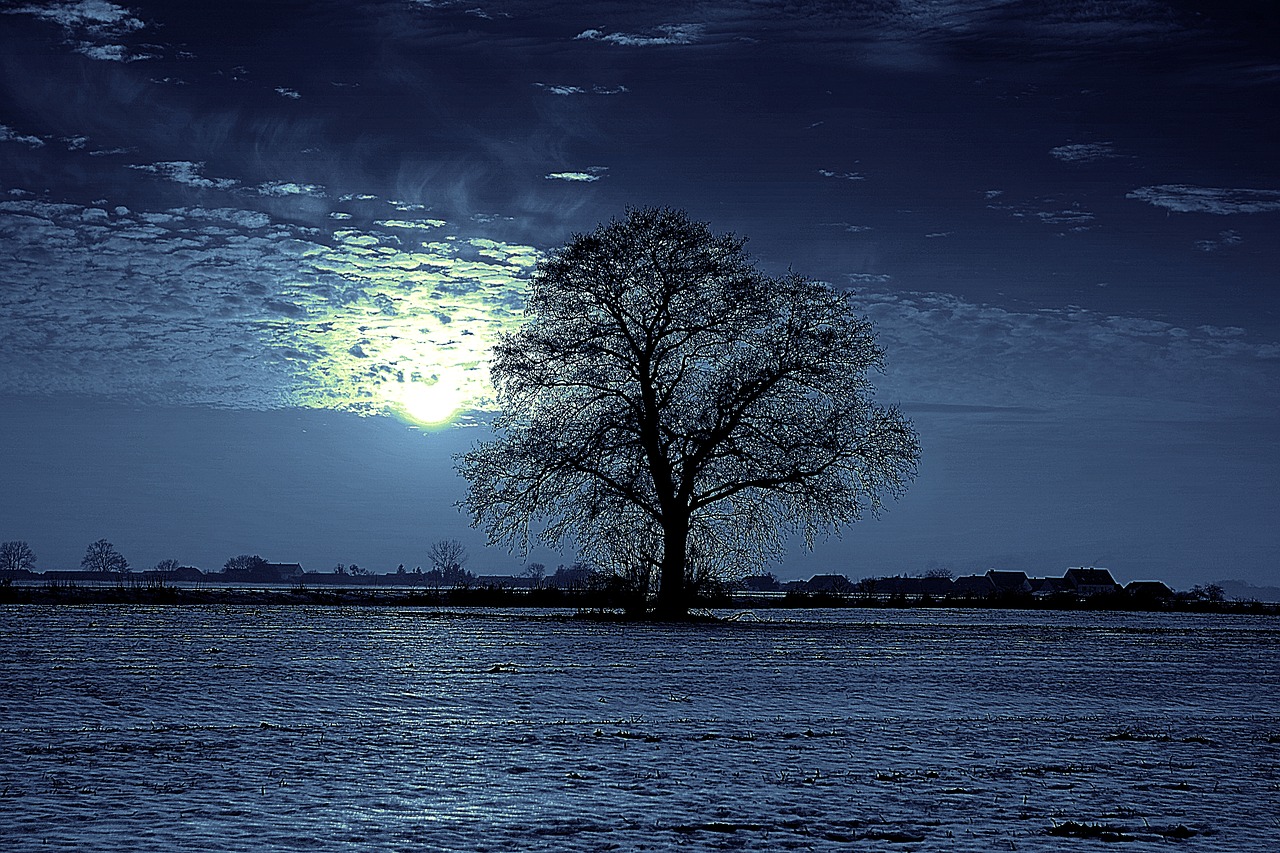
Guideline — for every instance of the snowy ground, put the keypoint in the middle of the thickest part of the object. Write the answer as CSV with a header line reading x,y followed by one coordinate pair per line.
x,y
127,728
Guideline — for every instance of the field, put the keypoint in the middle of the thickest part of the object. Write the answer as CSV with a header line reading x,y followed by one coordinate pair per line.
x,y
388,729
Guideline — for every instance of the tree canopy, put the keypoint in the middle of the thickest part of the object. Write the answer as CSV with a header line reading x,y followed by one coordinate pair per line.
x,y
678,413
102,556
16,556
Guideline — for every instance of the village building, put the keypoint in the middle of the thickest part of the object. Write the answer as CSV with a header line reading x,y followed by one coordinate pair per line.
x,y
1008,582
974,586
1091,581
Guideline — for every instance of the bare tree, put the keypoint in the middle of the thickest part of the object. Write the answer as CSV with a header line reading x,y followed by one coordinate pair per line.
x,y
16,556
448,561
677,413
168,566
244,564
535,572
102,556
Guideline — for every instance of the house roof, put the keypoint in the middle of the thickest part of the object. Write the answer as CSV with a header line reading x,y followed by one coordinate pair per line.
x,y
1007,580
1090,577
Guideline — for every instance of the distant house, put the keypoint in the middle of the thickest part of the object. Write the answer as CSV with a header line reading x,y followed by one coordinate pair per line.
x,y
760,583
265,572
914,587
838,584
284,571
1046,587
71,576
1148,591
17,574
182,573
1009,581
973,586
1090,581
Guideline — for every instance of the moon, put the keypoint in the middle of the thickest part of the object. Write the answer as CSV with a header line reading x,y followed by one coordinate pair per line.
x,y
431,404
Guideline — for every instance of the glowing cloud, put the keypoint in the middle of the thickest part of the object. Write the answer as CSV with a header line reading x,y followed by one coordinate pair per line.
x,y
1182,198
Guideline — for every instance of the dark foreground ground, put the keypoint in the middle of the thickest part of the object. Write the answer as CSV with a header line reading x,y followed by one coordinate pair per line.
x,y
599,601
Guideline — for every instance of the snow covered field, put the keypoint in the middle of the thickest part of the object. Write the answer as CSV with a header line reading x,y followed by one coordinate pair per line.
x,y
386,729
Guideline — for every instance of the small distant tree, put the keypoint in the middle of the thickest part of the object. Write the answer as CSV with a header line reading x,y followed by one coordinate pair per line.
x,y
167,566
448,563
400,569
357,571
244,564
938,572
676,413
535,572
577,576
16,556
102,556
1210,592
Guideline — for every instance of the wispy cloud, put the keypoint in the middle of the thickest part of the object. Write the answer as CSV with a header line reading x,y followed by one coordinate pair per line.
x,y
8,134
847,176
185,172
665,34
1223,240
1084,152
1069,359
562,89
280,189
93,27
592,173
1184,198
1049,211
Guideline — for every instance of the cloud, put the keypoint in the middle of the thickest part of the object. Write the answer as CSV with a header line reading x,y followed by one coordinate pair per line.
x,y
1184,198
284,92
8,134
1084,152
593,173
666,34
848,176
93,27
559,89
1049,211
95,16
231,307
1069,360
1224,239
421,224
281,189
185,172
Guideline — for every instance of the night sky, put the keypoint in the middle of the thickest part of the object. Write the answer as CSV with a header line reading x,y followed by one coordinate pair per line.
x,y
248,248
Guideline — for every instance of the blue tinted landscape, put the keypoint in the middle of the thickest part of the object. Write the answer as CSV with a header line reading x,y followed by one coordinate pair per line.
x,y
288,728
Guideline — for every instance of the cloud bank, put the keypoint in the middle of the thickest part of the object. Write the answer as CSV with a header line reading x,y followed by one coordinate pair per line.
x,y
1184,198
231,307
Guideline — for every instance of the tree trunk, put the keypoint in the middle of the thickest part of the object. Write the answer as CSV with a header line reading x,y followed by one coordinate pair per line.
x,y
673,590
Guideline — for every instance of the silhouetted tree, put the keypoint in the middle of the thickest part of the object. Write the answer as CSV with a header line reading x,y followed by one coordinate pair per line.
x,y
102,556
1209,592
167,566
244,564
16,556
535,572
678,413
448,563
